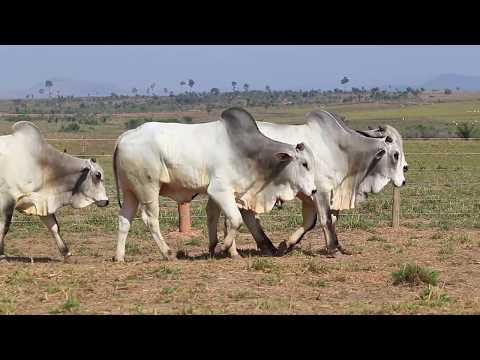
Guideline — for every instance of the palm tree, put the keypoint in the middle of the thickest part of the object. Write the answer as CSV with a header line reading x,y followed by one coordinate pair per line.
x,y
246,87
234,86
183,83
268,88
191,83
48,85
344,81
215,91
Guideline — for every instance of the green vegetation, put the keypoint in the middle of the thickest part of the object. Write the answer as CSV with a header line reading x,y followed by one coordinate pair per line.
x,y
414,274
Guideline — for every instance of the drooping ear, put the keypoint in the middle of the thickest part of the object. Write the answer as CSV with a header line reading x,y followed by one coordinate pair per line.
x,y
283,157
379,154
300,147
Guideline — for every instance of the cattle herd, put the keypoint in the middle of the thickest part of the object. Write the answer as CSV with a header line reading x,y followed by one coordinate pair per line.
x,y
245,167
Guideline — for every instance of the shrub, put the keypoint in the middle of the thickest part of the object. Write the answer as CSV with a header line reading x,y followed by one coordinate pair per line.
x,y
72,127
414,274
133,123
465,130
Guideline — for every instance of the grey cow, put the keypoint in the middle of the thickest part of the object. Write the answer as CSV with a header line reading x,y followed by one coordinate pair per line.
x,y
37,179
349,164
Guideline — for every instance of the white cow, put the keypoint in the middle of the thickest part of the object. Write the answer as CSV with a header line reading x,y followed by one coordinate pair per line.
x,y
37,179
230,160
349,164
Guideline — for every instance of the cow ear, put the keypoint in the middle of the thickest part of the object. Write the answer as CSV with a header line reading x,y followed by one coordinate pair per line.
x,y
283,156
93,160
300,147
379,154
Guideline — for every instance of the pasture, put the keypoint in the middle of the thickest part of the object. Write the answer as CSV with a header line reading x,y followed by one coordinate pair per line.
x,y
440,232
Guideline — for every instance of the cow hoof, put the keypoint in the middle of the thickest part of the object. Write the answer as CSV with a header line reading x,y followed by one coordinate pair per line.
x,y
171,255
218,250
282,249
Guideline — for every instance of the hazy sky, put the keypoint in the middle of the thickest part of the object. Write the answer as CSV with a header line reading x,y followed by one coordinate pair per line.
x,y
305,67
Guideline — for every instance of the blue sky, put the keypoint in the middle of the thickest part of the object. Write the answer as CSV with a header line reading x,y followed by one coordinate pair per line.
x,y
281,67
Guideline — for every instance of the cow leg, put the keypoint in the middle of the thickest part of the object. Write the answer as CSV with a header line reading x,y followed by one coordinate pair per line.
x,y
334,215
125,216
226,202
51,223
309,213
150,213
263,242
325,216
6,212
213,214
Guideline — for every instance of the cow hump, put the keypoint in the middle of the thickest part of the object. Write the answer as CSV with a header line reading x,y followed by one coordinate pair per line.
x,y
29,130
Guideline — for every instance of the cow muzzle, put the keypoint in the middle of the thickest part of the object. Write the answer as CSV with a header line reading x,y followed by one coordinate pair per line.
x,y
101,203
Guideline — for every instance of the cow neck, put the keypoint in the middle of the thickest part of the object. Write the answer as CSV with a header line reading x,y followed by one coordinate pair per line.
x,y
64,169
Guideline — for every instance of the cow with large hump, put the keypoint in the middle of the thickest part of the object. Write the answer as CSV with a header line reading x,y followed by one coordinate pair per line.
x,y
37,179
349,164
229,159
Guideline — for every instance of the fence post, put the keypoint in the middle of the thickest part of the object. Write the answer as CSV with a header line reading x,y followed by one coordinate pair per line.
x,y
396,208
83,145
184,221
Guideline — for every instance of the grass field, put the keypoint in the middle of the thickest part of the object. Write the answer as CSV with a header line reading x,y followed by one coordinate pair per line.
x,y
440,232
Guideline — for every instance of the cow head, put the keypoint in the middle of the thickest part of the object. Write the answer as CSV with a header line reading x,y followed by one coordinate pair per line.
x,y
391,167
90,186
299,170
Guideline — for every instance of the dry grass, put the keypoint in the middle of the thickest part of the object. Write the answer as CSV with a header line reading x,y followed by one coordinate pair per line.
x,y
303,282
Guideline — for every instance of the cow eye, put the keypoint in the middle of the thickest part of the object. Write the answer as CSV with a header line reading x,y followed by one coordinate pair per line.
x,y
98,175
305,165
396,156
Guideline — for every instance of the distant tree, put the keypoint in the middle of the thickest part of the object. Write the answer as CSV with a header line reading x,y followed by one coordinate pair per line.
x,y
246,87
447,91
268,89
182,83
215,91
458,88
191,83
134,91
171,94
49,85
113,95
234,86
152,86
344,81
165,90
148,90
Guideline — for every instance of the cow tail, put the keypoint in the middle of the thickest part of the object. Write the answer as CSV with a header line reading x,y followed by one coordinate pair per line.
x,y
115,174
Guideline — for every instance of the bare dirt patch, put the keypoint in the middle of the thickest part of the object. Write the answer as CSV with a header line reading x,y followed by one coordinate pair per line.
x,y
35,280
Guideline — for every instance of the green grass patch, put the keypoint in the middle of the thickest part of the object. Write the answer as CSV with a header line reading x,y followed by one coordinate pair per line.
x,y
414,274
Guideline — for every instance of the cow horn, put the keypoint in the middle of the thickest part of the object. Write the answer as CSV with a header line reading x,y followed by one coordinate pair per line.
x,y
93,160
